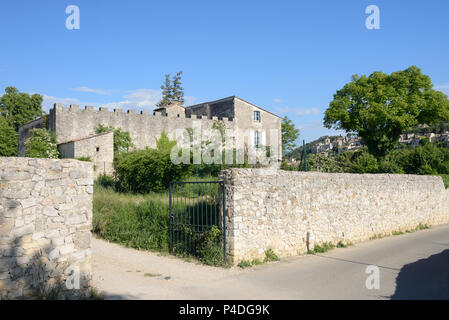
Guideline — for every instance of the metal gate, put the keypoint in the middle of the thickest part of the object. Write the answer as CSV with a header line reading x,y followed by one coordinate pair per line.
x,y
197,217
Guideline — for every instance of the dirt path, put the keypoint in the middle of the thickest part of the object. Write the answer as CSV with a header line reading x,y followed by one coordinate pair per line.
x,y
124,273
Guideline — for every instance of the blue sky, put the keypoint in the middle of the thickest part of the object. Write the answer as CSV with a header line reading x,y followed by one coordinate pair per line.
x,y
289,57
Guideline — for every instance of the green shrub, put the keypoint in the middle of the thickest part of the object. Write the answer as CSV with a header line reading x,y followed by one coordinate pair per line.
x,y
8,139
210,247
122,139
364,163
41,144
148,170
105,181
428,159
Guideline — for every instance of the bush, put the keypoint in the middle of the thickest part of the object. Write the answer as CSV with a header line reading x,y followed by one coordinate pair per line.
x,y
364,163
41,144
428,159
8,139
122,139
105,181
148,170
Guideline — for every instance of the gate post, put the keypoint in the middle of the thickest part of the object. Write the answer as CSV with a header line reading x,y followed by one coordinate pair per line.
x,y
224,220
170,218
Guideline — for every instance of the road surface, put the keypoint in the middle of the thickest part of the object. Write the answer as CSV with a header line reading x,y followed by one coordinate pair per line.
x,y
411,266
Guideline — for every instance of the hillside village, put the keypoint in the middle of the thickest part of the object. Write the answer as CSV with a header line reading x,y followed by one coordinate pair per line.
x,y
335,145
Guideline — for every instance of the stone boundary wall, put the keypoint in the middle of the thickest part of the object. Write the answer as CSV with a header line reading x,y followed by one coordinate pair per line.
x,y
45,227
293,211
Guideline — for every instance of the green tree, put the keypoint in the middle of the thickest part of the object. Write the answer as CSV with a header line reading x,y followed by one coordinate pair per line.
x,y
172,91
289,135
8,139
380,107
122,139
41,144
167,92
177,89
19,108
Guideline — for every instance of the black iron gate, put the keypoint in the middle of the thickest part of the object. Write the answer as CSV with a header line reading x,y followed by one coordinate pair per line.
x,y
197,217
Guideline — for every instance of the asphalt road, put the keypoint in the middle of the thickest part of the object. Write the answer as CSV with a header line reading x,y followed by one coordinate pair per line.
x,y
411,266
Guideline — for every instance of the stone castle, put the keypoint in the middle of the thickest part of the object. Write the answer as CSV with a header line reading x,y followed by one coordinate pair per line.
x,y
76,136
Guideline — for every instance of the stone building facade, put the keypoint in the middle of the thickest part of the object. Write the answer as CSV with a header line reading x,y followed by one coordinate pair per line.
x,y
250,125
45,227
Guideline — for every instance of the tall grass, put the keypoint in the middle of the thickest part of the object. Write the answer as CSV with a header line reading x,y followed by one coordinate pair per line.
x,y
137,221
140,221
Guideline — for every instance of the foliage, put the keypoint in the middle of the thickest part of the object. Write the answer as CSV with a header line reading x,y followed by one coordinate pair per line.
x,y
41,144
120,218
19,108
177,89
445,180
286,166
86,159
321,163
365,163
172,91
105,181
210,247
289,135
325,247
8,139
270,255
122,139
148,170
245,264
380,107
427,159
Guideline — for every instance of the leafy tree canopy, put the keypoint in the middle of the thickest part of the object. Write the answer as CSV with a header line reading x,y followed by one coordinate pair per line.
x,y
8,139
380,107
289,135
41,144
122,139
19,108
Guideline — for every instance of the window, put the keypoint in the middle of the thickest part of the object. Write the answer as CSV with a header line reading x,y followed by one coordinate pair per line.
x,y
256,138
256,116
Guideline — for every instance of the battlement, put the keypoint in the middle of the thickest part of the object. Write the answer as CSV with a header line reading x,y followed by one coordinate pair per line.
x,y
75,109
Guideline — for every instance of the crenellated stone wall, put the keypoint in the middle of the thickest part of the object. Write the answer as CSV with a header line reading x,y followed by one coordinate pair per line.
x,y
75,123
291,212
45,227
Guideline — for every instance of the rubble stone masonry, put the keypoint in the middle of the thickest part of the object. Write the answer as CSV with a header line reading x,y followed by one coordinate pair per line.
x,y
45,227
291,212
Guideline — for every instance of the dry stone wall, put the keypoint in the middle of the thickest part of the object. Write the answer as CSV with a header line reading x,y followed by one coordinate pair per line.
x,y
293,211
45,227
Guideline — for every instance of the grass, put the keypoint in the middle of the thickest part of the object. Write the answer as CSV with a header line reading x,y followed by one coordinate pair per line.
x,y
270,256
420,226
136,221
141,221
